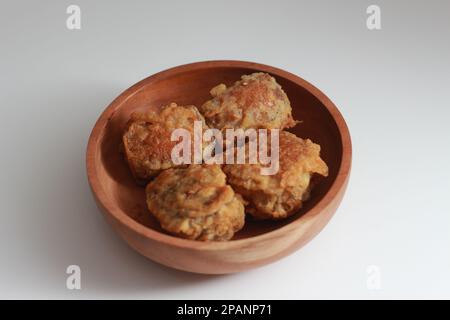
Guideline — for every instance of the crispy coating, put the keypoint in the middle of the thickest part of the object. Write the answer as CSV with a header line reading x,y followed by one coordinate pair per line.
x,y
256,101
196,203
146,140
282,194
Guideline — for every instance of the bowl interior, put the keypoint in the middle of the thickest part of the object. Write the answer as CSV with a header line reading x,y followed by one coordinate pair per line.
x,y
192,87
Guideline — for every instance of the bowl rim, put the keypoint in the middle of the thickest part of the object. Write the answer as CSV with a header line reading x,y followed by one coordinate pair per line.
x,y
122,218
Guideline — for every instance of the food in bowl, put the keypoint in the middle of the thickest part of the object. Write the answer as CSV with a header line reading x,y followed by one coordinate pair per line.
x,y
256,101
147,139
196,203
202,201
279,195
258,243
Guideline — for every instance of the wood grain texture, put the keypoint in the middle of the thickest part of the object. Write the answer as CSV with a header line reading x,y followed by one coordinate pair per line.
x,y
260,242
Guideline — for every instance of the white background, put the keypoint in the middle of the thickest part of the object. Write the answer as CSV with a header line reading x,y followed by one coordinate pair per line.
x,y
391,86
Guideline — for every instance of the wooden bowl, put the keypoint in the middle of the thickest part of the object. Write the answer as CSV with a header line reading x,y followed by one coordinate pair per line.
x,y
258,243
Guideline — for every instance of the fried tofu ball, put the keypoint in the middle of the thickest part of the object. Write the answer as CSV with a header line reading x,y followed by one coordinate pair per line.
x,y
282,194
146,141
196,203
256,101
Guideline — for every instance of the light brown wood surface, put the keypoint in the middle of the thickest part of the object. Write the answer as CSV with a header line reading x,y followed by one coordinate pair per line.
x,y
260,242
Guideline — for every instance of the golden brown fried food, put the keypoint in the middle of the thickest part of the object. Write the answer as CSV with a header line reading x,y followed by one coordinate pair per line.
x,y
280,195
256,101
147,142
196,203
